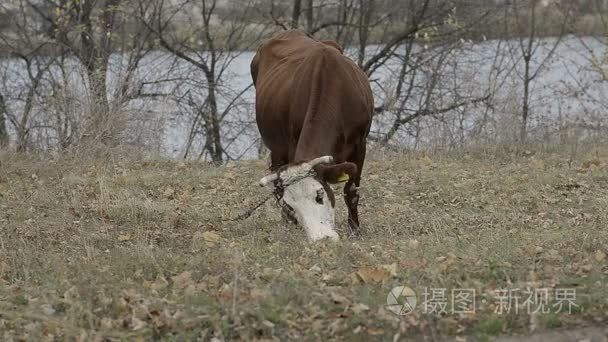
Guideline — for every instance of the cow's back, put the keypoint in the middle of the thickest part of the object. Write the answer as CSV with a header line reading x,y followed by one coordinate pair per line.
x,y
310,99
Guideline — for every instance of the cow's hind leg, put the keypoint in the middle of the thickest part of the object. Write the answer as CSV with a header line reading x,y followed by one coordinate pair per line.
x,y
351,192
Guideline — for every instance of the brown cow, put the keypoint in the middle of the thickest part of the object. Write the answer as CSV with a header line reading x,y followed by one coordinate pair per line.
x,y
314,110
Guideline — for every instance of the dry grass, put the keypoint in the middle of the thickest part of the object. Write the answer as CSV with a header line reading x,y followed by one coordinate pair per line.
x,y
125,249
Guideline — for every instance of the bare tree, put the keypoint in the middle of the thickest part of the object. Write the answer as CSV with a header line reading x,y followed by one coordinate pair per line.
x,y
211,46
3,128
22,43
590,82
90,31
84,68
598,60
297,12
529,52
424,48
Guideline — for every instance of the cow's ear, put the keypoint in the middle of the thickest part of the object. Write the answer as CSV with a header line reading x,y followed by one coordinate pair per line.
x,y
333,44
337,173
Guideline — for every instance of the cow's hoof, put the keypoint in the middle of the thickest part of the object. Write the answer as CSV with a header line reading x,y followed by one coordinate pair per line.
x,y
354,229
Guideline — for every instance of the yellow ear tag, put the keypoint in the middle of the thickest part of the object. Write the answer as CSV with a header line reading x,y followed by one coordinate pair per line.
x,y
343,178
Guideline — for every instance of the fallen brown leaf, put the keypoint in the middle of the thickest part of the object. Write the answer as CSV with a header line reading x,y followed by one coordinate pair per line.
x,y
600,255
211,238
168,193
359,308
338,299
372,274
124,237
182,280
159,284
392,269
445,262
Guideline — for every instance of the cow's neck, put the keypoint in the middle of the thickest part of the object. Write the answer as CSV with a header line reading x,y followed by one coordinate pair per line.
x,y
318,138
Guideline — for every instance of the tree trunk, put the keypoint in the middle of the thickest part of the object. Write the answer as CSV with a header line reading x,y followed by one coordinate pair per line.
x,y
23,131
297,11
309,15
98,126
3,129
525,110
95,55
528,52
212,123
365,7
341,18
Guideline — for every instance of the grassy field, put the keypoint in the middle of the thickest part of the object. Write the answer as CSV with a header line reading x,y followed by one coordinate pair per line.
x,y
117,249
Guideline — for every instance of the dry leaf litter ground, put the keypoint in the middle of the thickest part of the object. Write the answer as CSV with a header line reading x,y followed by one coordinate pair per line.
x,y
140,250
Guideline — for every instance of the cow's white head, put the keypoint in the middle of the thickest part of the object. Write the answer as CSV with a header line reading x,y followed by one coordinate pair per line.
x,y
303,190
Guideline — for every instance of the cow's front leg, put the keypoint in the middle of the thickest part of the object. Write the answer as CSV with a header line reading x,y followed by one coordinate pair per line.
x,y
351,197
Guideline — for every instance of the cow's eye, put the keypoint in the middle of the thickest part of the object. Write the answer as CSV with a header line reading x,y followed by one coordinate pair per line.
x,y
320,195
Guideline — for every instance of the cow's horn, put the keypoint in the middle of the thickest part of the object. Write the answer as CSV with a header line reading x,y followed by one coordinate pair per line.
x,y
321,160
270,178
